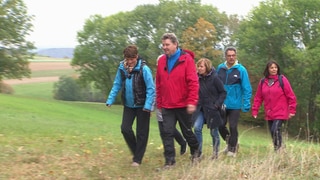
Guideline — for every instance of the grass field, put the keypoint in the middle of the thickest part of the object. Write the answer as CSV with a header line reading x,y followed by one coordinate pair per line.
x,y
47,139
42,138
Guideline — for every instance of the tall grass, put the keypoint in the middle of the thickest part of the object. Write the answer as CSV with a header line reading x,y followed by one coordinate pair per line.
x,y
47,139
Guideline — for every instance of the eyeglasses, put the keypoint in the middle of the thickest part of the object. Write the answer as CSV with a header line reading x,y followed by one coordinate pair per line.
x,y
233,55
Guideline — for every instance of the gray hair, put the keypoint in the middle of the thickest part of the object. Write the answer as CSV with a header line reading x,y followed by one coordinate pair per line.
x,y
230,49
173,38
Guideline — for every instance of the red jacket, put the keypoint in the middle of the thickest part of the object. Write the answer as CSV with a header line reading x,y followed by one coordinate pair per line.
x,y
278,102
180,87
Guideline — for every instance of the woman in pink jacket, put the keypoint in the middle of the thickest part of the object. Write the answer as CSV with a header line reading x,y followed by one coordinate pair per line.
x,y
275,91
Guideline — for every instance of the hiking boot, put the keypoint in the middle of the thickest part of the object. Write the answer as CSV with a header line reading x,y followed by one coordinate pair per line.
x,y
214,156
168,166
196,156
183,148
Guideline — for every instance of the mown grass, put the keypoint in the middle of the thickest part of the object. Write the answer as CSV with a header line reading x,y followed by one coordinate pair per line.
x,y
48,59
48,139
41,90
53,73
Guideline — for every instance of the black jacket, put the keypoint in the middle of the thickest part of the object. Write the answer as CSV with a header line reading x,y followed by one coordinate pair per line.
x,y
211,97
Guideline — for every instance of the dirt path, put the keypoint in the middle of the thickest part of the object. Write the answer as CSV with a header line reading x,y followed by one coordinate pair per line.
x,y
41,66
32,80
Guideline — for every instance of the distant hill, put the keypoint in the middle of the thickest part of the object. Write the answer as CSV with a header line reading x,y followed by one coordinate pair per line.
x,y
56,52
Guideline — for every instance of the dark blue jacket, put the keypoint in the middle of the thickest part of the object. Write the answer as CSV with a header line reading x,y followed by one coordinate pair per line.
x,y
237,84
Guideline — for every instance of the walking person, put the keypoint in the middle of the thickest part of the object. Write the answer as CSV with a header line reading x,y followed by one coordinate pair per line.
x,y
177,95
211,97
134,79
237,84
177,135
279,101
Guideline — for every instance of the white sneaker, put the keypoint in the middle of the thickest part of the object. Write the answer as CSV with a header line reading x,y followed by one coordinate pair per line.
x,y
231,154
135,164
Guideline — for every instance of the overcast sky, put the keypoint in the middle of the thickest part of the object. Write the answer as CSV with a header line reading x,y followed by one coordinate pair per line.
x,y
56,22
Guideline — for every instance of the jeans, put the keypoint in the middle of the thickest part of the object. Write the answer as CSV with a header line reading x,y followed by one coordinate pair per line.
x,y
198,125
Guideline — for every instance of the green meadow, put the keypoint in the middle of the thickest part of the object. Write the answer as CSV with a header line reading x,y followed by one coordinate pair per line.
x,y
42,138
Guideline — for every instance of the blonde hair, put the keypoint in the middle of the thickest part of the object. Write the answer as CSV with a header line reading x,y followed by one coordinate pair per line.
x,y
207,63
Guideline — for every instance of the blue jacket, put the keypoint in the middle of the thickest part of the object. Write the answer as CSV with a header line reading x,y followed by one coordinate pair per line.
x,y
237,84
129,94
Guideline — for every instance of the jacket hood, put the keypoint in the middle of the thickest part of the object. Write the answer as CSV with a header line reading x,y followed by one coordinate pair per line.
x,y
189,52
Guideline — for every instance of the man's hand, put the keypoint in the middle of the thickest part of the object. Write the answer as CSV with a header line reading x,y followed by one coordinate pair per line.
x,y
191,108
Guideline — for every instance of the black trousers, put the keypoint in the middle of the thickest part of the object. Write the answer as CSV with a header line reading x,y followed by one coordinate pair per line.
x,y
137,143
177,135
170,118
275,131
232,116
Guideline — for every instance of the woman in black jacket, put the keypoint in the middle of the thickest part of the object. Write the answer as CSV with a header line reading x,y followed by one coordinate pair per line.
x,y
211,97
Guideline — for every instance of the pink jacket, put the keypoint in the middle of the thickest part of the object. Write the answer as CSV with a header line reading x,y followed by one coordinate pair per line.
x,y
278,102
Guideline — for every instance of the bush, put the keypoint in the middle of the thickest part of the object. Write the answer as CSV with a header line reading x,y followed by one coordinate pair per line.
x,y
6,88
68,89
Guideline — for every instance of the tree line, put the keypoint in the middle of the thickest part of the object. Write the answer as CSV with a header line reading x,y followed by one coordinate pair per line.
x,y
283,30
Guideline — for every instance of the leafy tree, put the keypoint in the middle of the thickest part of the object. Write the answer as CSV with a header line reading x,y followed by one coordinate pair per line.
x,y
14,48
202,39
288,32
103,38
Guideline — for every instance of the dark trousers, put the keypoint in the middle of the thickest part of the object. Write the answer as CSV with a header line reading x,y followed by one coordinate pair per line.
x,y
137,144
275,131
177,135
232,116
170,118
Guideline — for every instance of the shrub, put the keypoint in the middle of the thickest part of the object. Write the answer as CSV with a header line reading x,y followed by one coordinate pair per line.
x,y
68,89
6,88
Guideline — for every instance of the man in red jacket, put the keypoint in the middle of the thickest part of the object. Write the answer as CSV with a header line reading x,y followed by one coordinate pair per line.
x,y
177,95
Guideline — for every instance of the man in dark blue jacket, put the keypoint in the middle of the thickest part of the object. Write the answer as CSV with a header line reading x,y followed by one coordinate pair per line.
x,y
237,84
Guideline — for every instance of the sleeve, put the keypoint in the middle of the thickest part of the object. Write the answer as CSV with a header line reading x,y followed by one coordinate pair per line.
x,y
246,90
257,100
158,88
221,91
150,89
291,97
117,83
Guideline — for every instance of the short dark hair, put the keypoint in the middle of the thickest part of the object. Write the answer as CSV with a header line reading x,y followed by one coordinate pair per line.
x,y
130,51
170,36
230,49
266,70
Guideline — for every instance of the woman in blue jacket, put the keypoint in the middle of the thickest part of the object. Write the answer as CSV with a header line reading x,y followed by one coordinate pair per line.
x,y
135,80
